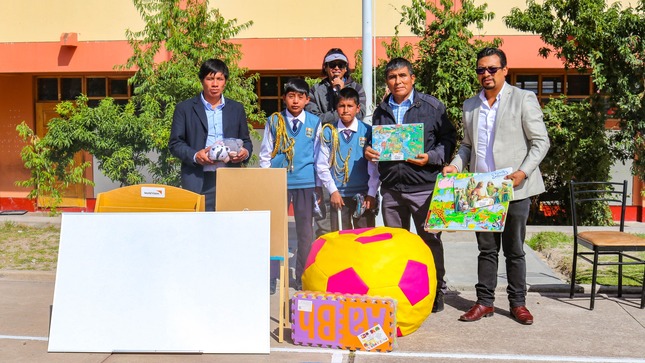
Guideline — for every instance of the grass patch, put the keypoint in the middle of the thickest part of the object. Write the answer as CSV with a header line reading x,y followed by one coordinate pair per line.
x,y
557,249
28,248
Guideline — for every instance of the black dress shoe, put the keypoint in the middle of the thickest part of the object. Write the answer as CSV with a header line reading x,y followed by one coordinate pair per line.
x,y
477,312
522,315
438,302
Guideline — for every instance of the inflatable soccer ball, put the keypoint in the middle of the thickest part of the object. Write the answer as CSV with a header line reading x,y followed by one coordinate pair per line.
x,y
382,261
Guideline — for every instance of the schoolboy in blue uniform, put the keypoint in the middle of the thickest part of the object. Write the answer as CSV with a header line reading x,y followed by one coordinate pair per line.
x,y
343,169
291,140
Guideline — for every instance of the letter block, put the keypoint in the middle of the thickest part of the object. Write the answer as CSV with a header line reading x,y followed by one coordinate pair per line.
x,y
343,321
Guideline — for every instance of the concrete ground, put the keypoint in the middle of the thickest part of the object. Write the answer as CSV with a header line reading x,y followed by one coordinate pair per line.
x,y
564,329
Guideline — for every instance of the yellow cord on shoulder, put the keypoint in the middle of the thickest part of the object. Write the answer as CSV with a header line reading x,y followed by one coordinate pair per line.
x,y
283,143
334,151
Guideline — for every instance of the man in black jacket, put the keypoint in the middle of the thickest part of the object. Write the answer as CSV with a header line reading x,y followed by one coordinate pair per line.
x,y
406,186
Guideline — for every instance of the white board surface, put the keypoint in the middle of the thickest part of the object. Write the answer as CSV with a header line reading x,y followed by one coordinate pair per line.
x,y
162,282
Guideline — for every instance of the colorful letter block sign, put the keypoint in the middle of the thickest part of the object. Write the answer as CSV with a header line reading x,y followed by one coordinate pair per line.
x,y
344,321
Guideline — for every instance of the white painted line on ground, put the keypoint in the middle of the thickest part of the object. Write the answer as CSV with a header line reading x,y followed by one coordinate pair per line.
x,y
337,357
18,337
494,357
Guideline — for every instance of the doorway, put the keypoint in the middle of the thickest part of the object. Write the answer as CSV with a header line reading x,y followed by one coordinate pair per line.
x,y
74,195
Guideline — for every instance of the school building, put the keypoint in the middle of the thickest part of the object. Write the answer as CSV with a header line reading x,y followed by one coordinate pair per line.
x,y
54,50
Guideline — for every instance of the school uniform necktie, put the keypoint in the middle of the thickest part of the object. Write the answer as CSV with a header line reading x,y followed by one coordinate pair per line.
x,y
295,124
348,134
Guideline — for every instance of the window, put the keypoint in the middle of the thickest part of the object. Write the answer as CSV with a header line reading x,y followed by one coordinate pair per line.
x,y
96,88
270,90
575,86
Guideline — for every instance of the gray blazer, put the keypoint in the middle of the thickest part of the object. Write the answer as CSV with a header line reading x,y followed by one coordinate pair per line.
x,y
521,140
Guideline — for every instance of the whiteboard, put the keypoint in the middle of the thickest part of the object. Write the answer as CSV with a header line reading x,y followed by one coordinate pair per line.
x,y
162,282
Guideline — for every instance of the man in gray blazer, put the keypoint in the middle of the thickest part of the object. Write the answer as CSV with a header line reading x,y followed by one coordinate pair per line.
x,y
503,127
200,121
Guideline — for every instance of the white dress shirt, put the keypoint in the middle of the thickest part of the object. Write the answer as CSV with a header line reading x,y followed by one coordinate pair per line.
x,y
323,167
486,132
266,148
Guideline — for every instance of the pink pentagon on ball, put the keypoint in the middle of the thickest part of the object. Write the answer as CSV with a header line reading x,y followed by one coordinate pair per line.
x,y
355,231
315,248
347,282
374,238
414,282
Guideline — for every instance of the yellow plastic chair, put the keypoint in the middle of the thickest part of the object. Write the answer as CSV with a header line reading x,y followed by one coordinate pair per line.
x,y
149,198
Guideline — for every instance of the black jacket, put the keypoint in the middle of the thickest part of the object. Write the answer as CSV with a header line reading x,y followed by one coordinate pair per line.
x,y
439,144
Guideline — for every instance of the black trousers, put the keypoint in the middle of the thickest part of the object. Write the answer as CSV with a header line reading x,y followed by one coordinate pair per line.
x,y
208,190
512,241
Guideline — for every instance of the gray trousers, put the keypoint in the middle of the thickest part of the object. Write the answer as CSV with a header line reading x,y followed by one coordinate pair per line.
x,y
397,209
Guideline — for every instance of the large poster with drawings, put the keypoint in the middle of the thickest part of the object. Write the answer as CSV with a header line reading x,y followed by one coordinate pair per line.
x,y
470,202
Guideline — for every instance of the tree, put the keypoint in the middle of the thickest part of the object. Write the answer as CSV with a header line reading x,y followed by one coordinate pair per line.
x,y
608,41
129,140
447,50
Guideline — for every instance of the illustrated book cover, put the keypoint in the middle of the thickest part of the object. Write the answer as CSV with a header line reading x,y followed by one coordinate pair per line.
x,y
397,142
470,202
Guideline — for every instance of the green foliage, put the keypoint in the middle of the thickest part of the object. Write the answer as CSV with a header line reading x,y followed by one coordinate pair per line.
x,y
393,49
448,49
608,40
544,241
579,140
51,172
132,140
187,33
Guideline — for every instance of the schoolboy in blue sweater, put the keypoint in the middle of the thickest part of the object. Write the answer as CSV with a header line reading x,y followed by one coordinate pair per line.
x,y
352,180
291,140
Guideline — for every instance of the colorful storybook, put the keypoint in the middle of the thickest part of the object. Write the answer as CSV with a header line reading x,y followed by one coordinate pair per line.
x,y
470,202
398,142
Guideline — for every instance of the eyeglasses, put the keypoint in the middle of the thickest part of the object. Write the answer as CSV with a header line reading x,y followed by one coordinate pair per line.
x,y
340,65
491,70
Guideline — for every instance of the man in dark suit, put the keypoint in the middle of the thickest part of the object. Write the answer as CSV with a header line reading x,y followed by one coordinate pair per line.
x,y
201,121
503,127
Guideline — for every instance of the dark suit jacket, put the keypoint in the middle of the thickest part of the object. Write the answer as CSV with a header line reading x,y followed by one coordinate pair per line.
x,y
190,129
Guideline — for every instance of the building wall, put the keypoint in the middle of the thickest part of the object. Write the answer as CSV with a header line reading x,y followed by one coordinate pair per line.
x,y
16,106
87,37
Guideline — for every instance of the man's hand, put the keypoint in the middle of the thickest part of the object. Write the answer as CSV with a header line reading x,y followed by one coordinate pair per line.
x,y
369,202
516,177
371,154
241,156
420,160
338,83
449,169
336,200
202,157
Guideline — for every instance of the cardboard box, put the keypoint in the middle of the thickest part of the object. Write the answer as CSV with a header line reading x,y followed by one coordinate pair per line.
x,y
344,321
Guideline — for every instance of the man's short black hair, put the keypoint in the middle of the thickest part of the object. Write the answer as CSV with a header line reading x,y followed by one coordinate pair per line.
x,y
348,93
213,66
396,63
488,51
297,85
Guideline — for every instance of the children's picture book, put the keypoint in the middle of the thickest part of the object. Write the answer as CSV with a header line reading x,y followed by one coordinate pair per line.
x,y
398,142
482,190
457,204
